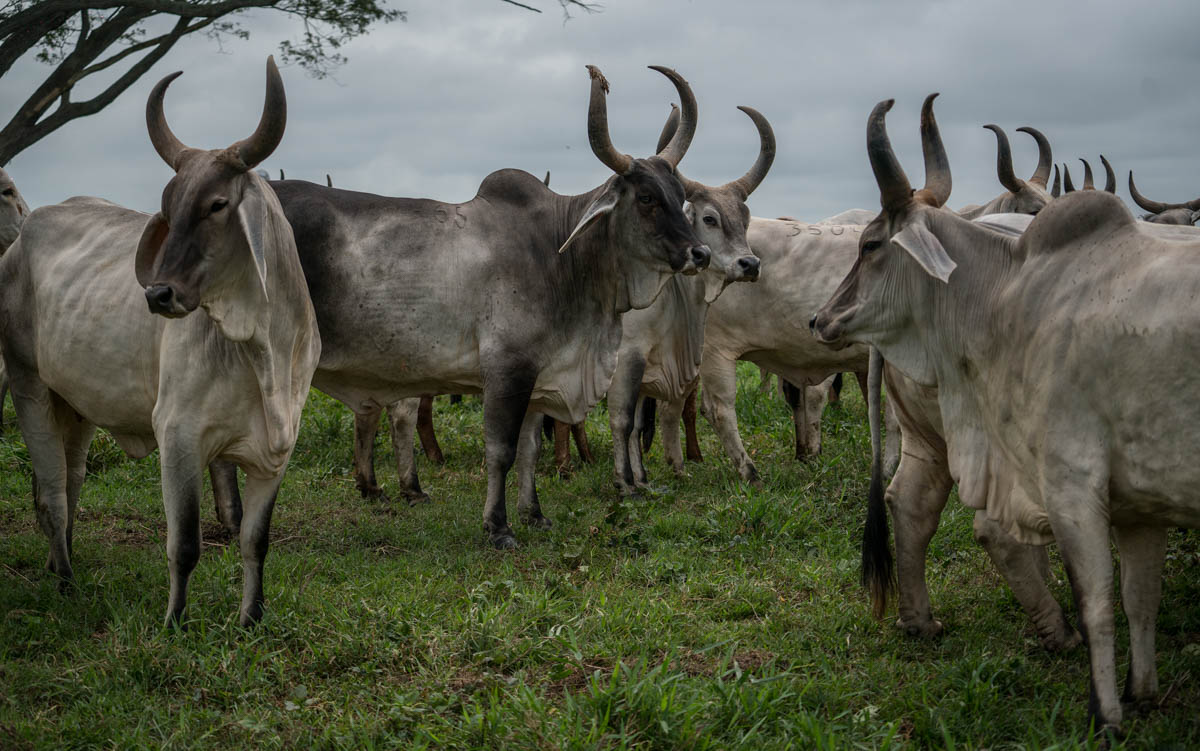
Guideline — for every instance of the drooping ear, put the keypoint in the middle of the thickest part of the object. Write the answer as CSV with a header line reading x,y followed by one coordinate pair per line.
x,y
599,208
252,215
926,250
149,246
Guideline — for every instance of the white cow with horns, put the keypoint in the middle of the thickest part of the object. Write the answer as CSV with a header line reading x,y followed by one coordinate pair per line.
x,y
1063,360
226,384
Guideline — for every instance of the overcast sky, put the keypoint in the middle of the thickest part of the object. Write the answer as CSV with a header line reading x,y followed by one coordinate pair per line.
x,y
428,107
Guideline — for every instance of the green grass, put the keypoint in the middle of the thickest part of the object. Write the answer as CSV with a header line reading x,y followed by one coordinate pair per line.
x,y
713,616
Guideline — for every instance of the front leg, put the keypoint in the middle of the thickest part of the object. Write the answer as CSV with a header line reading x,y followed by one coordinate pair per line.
x,y
719,376
366,425
671,412
402,419
636,464
226,495
182,483
255,537
622,406
916,497
1142,552
689,427
507,386
528,448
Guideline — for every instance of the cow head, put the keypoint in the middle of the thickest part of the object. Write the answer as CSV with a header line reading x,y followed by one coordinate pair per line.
x,y
208,244
643,203
1165,213
1023,196
13,211
863,307
719,215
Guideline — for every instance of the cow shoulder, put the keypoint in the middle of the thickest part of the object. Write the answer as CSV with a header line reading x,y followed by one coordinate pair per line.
x,y
513,187
1074,219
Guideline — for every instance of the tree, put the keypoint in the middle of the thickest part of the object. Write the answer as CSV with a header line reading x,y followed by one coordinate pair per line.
x,y
81,38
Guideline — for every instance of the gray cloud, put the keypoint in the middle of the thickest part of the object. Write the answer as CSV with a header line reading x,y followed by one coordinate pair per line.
x,y
429,107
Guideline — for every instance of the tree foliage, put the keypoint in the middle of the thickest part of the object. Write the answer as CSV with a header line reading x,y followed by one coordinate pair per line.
x,y
82,38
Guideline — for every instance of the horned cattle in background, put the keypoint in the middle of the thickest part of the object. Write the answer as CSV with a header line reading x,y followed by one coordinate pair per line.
x,y
517,294
1187,213
1110,178
224,384
1022,196
1064,364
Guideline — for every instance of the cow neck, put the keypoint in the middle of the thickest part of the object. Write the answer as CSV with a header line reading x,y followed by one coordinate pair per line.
x,y
591,268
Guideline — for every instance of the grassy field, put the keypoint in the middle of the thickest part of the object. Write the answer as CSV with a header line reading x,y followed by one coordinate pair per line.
x,y
714,615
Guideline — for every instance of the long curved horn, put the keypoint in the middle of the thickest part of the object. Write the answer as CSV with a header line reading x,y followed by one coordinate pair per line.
x,y
1088,184
682,139
937,165
269,133
1056,191
1154,207
669,128
1045,156
1004,165
895,192
766,155
1068,186
597,126
165,143
1110,177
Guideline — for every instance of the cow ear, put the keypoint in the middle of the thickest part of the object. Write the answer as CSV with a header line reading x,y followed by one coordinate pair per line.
x,y
149,246
252,214
926,250
599,208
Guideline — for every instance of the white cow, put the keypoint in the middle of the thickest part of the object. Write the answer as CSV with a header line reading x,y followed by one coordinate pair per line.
x,y
13,211
1065,361
227,383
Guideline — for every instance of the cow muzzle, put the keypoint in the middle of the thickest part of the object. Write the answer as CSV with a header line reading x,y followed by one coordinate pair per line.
x,y
698,258
746,269
164,302
828,331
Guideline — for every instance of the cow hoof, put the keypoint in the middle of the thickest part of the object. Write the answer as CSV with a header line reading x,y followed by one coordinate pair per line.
x,y
921,629
536,522
417,499
1062,642
373,493
750,475
251,617
504,542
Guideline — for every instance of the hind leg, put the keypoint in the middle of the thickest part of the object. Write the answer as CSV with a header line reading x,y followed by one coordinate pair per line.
x,y
366,425
1142,550
402,416
429,441
528,447
507,387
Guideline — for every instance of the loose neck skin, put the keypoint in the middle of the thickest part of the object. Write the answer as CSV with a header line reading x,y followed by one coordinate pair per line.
x,y
958,317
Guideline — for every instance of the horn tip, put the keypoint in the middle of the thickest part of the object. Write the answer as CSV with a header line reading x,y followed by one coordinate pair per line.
x,y
596,75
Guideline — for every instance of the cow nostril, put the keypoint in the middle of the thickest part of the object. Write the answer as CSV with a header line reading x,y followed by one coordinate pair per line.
x,y
749,266
159,297
812,323
700,256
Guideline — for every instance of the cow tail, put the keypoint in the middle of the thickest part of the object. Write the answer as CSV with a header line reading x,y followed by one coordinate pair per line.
x,y
878,570
649,407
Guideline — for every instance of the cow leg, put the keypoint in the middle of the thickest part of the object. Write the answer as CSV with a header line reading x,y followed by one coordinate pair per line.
x,y
226,495
691,440
861,377
835,389
1142,552
528,448
506,393
562,447
366,425
3,393
38,413
808,404
764,380
78,439
622,407
916,497
717,405
402,419
579,433
636,465
1025,568
255,536
429,441
795,398
1082,535
891,439
182,482
671,412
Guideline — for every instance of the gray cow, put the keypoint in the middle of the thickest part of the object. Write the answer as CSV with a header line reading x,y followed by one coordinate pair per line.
x,y
517,294
224,384
1021,196
1059,359
1165,213
661,346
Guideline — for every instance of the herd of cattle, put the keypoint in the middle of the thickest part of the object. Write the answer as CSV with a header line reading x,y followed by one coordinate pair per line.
x,y
1037,363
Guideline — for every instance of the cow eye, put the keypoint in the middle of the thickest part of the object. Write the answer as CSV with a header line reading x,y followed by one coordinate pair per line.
x,y
8,192
217,205
871,245
710,220
645,198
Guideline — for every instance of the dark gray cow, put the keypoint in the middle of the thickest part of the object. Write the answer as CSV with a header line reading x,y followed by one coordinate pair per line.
x,y
517,294
1165,213
226,383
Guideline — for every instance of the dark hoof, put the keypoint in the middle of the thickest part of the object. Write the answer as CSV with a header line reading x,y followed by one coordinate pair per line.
x,y
1061,643
504,541
921,630
536,521
251,617
418,499
373,493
